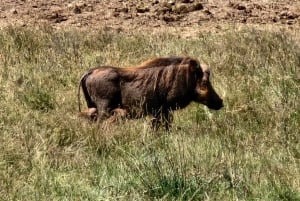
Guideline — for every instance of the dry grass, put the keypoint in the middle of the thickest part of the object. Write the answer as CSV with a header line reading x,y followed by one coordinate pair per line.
x,y
247,151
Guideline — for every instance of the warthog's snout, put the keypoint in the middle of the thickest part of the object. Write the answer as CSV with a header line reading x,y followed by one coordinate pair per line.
x,y
216,105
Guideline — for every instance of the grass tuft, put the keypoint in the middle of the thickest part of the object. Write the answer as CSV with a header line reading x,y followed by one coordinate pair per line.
x,y
38,99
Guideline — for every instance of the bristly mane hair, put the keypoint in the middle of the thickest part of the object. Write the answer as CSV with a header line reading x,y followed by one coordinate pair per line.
x,y
164,61
157,62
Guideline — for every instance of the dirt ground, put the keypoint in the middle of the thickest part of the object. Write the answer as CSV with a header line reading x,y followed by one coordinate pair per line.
x,y
137,15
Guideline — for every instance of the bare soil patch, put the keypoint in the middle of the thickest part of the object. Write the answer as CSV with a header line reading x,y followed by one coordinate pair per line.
x,y
136,15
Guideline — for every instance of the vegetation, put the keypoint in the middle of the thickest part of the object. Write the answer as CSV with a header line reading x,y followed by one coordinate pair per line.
x,y
250,150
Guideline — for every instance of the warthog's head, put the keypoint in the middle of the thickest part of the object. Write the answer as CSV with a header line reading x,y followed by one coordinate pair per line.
x,y
205,93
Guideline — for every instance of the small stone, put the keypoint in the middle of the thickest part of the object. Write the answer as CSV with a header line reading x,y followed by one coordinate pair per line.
x,y
207,12
14,11
276,19
171,2
89,8
57,18
238,6
288,15
292,15
77,10
168,4
180,8
241,7
122,10
168,18
186,1
155,2
81,4
116,14
197,6
282,14
142,9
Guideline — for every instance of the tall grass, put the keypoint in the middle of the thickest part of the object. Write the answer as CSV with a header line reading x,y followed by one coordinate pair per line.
x,y
250,150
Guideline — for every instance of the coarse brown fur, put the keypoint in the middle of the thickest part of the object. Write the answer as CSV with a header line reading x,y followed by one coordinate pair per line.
x,y
154,87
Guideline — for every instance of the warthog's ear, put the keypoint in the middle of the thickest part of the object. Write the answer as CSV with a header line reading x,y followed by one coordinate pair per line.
x,y
205,77
194,67
206,73
194,63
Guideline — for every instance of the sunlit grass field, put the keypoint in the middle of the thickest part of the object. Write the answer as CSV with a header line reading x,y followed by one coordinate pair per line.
x,y
249,150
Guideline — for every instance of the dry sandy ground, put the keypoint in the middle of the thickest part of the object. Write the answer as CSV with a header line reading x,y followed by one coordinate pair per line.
x,y
136,15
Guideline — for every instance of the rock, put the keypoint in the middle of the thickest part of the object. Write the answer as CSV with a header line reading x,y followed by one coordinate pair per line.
x,y
168,18
171,2
186,1
241,7
122,10
57,18
243,20
80,6
207,12
14,11
115,14
292,16
197,6
180,8
275,19
163,8
155,2
142,9
185,8
288,15
77,10
168,4
238,6
218,27
89,8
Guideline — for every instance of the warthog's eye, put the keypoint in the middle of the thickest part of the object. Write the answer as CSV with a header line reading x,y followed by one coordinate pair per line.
x,y
203,85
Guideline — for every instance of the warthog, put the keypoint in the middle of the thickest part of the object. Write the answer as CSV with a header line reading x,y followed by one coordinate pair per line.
x,y
155,88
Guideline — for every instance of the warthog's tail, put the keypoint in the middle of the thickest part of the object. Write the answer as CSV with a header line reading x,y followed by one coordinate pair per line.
x,y
78,92
82,85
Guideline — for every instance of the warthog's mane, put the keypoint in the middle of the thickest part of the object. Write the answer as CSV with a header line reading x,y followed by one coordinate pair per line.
x,y
159,62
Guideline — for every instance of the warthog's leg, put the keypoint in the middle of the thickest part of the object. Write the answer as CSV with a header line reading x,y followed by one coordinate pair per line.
x,y
167,118
162,117
90,113
117,114
108,109
155,123
103,109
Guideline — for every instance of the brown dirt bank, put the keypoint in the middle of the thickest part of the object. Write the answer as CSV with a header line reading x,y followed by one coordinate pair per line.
x,y
187,16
